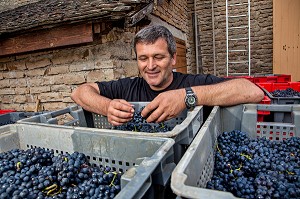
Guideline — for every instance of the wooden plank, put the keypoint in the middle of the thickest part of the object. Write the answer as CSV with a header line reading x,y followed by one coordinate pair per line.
x,y
286,40
180,62
46,39
132,20
181,52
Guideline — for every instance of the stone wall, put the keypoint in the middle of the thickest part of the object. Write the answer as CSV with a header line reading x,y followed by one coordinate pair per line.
x,y
261,36
173,12
51,76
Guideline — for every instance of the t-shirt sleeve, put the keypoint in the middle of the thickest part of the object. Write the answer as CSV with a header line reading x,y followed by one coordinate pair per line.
x,y
202,79
111,89
212,79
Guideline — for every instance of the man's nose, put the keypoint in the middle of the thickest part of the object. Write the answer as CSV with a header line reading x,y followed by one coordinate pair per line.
x,y
151,63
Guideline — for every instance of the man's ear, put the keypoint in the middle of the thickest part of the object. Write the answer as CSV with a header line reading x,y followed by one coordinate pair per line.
x,y
174,59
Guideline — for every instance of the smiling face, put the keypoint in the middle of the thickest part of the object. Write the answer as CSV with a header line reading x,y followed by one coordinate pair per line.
x,y
155,63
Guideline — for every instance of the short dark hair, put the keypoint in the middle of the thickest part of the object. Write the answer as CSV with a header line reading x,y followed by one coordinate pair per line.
x,y
152,33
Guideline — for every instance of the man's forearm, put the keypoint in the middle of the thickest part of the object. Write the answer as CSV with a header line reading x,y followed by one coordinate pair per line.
x,y
88,97
231,92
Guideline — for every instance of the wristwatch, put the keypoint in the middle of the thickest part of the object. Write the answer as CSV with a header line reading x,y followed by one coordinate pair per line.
x,y
190,98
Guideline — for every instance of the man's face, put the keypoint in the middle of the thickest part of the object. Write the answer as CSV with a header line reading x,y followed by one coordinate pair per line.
x,y
155,64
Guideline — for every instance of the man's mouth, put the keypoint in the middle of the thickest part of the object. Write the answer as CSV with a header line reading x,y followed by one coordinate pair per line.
x,y
152,74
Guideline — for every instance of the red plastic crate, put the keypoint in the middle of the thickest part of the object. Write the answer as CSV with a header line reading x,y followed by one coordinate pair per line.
x,y
284,78
280,86
6,111
262,114
272,78
260,79
270,87
250,78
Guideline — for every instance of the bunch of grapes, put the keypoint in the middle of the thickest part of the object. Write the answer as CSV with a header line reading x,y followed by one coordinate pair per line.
x,y
289,92
139,124
38,174
256,168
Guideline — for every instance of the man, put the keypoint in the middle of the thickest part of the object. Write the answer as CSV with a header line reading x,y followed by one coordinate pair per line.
x,y
168,92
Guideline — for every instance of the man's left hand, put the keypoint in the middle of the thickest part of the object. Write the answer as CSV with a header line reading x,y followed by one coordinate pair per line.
x,y
165,106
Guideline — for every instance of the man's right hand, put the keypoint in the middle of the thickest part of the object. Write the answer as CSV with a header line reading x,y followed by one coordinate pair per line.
x,y
119,112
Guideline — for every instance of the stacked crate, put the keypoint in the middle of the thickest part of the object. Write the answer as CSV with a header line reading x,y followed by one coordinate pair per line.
x,y
196,167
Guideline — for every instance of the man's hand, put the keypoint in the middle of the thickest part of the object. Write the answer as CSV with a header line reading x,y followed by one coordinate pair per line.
x,y
119,112
165,106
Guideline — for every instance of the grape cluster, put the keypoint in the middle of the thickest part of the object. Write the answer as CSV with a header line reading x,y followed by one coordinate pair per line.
x,y
38,174
139,124
289,92
256,168
7,122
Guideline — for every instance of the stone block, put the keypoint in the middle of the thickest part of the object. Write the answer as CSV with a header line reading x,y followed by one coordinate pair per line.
x,y
52,106
67,99
67,56
40,89
131,68
20,82
20,99
100,75
75,78
22,91
37,81
7,99
60,88
29,107
50,97
38,63
36,72
17,65
31,98
13,74
101,64
7,91
4,83
61,69
82,66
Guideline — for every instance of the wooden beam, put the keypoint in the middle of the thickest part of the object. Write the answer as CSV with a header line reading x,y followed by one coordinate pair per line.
x,y
130,21
47,39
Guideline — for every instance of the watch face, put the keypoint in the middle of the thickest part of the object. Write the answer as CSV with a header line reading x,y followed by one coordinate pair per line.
x,y
191,100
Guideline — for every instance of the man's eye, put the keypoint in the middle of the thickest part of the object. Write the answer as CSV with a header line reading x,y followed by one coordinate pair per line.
x,y
158,57
142,58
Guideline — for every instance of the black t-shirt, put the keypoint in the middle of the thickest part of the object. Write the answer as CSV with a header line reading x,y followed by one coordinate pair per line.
x,y
137,90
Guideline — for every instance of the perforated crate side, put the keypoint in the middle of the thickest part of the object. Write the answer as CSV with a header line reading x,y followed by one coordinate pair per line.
x,y
76,114
195,169
145,155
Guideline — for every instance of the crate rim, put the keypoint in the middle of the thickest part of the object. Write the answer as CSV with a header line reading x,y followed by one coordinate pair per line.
x,y
170,134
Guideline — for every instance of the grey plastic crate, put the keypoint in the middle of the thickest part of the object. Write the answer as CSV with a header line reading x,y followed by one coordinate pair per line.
x,y
146,162
186,125
282,116
13,117
282,100
196,167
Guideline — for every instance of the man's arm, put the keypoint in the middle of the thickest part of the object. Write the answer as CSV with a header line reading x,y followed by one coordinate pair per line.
x,y
88,97
169,104
228,93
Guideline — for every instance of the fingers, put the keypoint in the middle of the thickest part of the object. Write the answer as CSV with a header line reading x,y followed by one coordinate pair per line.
x,y
119,112
148,111
164,106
